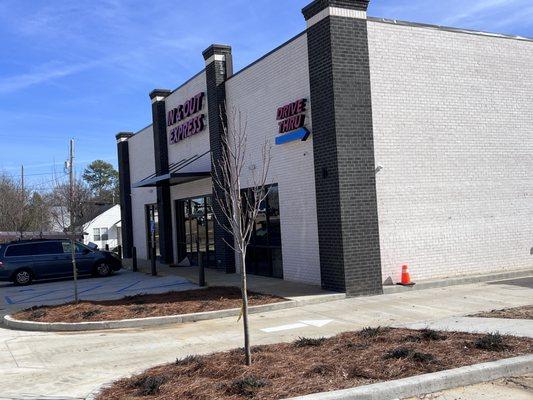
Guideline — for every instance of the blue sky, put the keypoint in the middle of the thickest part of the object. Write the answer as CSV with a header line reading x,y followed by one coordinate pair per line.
x,y
83,69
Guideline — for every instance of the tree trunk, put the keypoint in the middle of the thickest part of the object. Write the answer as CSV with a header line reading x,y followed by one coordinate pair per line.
x,y
74,269
244,289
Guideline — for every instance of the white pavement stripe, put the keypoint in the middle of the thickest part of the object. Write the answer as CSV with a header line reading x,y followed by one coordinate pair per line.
x,y
284,327
319,323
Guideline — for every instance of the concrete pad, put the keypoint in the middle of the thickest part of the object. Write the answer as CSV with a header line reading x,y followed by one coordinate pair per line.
x,y
120,284
71,365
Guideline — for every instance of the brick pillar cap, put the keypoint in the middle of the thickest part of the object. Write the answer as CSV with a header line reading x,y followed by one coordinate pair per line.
x,y
216,49
159,93
316,6
123,136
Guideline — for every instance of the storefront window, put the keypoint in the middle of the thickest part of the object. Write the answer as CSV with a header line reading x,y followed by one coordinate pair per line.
x,y
264,252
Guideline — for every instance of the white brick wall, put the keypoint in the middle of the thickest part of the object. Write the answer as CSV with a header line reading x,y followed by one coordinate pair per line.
x,y
453,126
142,164
199,143
276,80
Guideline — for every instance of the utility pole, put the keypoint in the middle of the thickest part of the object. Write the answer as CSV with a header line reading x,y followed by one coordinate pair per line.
x,y
23,201
71,206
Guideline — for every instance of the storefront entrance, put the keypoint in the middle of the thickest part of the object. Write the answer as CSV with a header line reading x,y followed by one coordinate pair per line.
x,y
195,231
264,252
152,230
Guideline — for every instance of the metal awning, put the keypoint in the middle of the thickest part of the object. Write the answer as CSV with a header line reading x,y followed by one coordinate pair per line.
x,y
176,174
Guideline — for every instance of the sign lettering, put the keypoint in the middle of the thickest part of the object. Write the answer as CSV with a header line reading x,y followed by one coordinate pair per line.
x,y
187,111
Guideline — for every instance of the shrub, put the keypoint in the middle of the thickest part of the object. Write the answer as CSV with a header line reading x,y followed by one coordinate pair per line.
x,y
148,385
400,352
369,332
309,342
422,357
430,334
319,369
490,342
247,386
38,314
90,313
191,359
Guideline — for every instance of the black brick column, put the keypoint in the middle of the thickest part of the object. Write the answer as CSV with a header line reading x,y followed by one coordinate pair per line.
x,y
164,204
218,67
125,192
343,146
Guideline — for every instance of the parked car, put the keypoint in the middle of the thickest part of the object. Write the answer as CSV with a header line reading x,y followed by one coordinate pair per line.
x,y
23,262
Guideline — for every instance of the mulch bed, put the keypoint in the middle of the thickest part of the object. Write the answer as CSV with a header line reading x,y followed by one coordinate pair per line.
x,y
525,312
146,305
316,365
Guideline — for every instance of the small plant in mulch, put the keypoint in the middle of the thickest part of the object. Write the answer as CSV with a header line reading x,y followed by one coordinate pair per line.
x,y
319,369
422,357
38,314
191,359
309,342
148,385
356,346
404,352
397,353
369,332
490,342
430,334
139,309
90,313
246,386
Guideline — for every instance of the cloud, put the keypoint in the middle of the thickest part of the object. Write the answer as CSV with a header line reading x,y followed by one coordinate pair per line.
x,y
45,74
477,10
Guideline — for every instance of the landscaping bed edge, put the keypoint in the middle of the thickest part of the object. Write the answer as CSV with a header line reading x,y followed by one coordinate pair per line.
x,y
13,323
414,385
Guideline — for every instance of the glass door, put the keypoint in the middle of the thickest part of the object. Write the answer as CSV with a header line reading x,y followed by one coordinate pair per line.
x,y
152,229
195,231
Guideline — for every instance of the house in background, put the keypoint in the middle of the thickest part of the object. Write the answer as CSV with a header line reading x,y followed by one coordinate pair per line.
x,y
104,229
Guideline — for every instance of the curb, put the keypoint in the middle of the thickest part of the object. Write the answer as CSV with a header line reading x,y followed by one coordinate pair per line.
x,y
464,280
430,383
12,323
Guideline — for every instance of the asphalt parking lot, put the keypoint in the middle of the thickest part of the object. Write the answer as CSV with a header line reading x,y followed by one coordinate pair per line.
x,y
120,284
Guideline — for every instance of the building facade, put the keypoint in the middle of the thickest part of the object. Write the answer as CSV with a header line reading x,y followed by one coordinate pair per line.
x,y
105,229
392,143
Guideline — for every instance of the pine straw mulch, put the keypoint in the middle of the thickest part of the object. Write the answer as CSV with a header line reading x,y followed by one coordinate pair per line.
x,y
525,312
146,305
316,365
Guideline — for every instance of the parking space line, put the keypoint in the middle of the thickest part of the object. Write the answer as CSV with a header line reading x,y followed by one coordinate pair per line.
x,y
169,285
10,301
127,287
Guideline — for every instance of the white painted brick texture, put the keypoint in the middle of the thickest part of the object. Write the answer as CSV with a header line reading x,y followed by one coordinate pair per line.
x,y
278,79
142,164
453,127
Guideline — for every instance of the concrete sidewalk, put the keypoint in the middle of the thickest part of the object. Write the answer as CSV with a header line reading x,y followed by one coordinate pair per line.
x,y
518,388
262,284
71,365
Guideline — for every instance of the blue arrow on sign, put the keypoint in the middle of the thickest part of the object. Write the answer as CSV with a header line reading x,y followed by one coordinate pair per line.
x,y
299,134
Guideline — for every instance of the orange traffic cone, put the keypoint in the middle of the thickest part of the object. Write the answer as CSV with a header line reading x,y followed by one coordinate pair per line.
x,y
406,277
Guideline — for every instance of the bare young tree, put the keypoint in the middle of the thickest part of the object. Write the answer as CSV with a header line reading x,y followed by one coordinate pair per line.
x,y
240,206
70,206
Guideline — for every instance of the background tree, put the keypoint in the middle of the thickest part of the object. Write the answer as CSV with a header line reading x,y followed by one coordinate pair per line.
x,y
102,178
71,205
239,207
